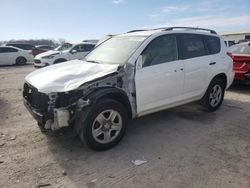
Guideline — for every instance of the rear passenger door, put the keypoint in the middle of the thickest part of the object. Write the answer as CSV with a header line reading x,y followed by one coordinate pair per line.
x,y
197,65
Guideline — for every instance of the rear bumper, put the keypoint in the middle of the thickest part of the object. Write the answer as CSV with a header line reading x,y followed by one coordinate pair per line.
x,y
242,75
242,71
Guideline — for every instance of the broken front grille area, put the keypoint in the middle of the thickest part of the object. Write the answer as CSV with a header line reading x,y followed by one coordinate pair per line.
x,y
36,99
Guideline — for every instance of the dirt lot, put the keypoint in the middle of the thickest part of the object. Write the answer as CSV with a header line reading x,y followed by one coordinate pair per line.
x,y
184,147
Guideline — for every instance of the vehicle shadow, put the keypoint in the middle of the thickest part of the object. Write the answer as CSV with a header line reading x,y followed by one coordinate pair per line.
x,y
14,65
154,137
240,88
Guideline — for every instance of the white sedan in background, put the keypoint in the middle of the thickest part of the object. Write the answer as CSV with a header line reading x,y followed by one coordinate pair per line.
x,y
12,55
67,51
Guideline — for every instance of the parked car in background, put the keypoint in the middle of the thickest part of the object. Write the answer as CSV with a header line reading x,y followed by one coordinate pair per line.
x,y
27,47
229,43
103,39
45,47
128,76
240,54
10,55
31,48
67,51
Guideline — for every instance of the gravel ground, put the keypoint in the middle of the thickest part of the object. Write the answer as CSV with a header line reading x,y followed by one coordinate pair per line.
x,y
184,147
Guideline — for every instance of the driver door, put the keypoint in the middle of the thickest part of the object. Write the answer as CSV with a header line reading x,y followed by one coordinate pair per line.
x,y
159,83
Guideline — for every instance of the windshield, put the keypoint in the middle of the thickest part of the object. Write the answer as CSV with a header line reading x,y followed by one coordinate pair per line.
x,y
240,49
64,46
116,50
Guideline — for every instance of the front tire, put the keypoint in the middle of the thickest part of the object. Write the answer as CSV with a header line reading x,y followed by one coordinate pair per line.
x,y
214,95
105,125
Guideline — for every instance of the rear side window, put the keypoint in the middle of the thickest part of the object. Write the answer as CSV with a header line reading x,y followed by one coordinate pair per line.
x,y
192,46
213,44
7,50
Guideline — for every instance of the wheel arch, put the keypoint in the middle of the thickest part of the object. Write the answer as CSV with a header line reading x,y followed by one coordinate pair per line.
x,y
20,56
222,77
111,93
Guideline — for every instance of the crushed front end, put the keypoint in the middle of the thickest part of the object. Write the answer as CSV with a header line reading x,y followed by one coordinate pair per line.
x,y
52,111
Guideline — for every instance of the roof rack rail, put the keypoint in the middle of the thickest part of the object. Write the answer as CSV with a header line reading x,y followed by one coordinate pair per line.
x,y
137,30
193,28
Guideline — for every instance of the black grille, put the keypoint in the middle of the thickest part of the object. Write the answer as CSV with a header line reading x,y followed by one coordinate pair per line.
x,y
37,61
37,100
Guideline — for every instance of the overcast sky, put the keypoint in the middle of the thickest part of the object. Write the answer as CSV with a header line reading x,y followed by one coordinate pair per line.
x,y
76,20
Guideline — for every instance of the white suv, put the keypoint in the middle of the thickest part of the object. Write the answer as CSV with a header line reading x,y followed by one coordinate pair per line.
x,y
67,51
128,76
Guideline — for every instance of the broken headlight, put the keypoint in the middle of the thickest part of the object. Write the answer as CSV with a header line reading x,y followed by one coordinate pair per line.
x,y
68,98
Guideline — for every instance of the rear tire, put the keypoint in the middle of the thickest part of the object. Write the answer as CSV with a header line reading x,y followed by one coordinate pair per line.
x,y
105,125
214,95
21,61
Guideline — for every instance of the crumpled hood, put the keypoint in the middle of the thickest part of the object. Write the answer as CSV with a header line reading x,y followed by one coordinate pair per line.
x,y
67,76
50,52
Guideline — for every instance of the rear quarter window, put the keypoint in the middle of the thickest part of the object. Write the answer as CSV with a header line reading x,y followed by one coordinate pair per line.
x,y
213,44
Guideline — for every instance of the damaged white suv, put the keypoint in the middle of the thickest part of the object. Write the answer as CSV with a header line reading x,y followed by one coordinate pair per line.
x,y
128,76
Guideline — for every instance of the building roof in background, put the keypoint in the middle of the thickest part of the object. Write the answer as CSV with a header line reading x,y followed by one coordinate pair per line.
x,y
235,33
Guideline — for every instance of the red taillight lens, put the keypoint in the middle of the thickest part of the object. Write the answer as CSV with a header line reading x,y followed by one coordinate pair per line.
x,y
230,54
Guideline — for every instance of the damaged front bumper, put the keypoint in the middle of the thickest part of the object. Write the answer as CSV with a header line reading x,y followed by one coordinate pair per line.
x,y
58,118
55,120
40,117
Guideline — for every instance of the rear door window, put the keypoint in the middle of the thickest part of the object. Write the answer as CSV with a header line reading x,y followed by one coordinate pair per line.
x,y
192,46
213,44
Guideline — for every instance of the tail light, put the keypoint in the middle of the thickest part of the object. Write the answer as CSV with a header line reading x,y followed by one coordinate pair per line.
x,y
230,54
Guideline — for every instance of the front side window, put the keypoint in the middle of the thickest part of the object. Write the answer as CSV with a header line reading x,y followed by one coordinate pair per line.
x,y
89,47
161,50
192,46
79,48
116,50
65,46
